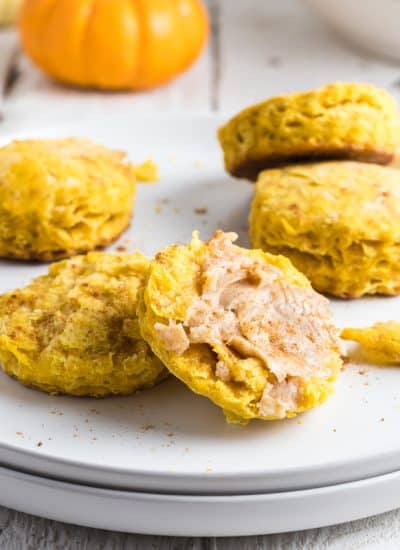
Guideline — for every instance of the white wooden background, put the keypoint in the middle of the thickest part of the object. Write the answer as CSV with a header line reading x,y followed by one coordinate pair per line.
x,y
258,48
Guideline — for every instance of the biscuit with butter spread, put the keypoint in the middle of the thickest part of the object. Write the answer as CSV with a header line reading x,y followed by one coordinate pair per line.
x,y
241,327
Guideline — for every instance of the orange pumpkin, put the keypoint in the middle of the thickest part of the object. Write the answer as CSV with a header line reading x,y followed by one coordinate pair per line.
x,y
113,44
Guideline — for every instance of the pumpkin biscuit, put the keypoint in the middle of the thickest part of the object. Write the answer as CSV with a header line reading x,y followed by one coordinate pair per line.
x,y
241,327
339,121
75,330
62,197
338,222
381,342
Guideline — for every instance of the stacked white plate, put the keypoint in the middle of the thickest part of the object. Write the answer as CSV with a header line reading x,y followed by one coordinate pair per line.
x,y
164,461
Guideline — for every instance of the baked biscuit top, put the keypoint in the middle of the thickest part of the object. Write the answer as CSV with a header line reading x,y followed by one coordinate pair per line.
x,y
338,121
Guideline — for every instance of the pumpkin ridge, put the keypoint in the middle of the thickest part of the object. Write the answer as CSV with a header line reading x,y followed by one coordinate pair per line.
x,y
73,46
139,9
36,55
84,40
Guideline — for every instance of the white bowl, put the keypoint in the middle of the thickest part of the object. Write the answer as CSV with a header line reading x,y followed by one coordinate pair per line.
x,y
371,24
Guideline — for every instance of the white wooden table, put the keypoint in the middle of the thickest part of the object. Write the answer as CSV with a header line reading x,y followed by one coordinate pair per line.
x,y
258,48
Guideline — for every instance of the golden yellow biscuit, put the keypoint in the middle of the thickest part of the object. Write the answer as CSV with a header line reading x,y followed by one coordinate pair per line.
x,y
338,222
241,327
62,197
75,330
338,121
381,341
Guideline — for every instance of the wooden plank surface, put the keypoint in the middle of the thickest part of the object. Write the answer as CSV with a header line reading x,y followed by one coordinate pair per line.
x,y
258,48
36,99
21,531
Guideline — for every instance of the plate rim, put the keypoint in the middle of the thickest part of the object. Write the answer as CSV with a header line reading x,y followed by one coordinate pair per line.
x,y
204,515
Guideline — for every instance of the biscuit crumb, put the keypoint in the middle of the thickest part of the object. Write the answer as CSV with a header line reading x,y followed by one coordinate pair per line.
x,y
201,211
379,341
147,427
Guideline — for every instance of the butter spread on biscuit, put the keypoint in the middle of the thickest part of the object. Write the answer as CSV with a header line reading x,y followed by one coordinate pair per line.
x,y
248,306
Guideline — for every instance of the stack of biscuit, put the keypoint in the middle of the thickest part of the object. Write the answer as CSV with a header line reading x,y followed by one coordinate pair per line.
x,y
323,196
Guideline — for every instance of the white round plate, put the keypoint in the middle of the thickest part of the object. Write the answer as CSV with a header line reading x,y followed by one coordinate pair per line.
x,y
168,439
198,516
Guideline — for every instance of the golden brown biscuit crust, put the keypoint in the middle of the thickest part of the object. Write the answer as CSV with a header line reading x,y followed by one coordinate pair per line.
x,y
51,255
75,330
338,222
59,198
252,168
339,121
